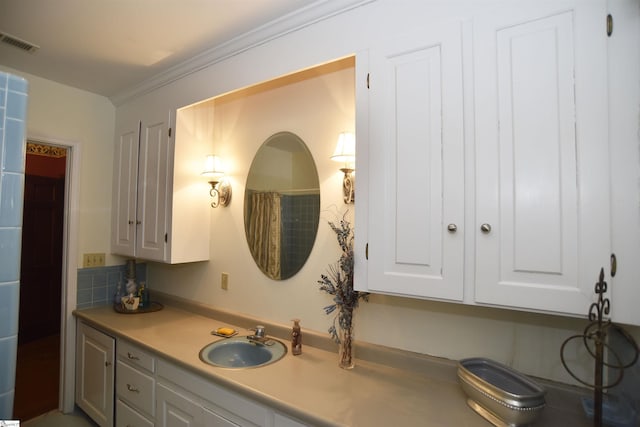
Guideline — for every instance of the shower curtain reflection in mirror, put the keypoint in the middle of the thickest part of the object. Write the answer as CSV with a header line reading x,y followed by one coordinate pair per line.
x,y
265,224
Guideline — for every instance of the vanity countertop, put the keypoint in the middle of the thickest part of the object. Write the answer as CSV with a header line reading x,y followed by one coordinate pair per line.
x,y
311,387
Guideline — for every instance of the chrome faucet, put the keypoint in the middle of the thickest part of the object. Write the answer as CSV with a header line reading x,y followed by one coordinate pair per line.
x,y
259,332
260,336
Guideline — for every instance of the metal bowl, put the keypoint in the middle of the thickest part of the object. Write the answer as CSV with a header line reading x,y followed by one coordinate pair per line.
x,y
499,394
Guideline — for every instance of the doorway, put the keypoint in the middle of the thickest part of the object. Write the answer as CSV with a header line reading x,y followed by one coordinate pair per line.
x,y
41,281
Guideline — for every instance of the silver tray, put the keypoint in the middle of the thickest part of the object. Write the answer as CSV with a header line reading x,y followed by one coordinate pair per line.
x,y
499,394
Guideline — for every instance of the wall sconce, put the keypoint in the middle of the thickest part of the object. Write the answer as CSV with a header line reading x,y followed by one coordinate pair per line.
x,y
220,186
345,152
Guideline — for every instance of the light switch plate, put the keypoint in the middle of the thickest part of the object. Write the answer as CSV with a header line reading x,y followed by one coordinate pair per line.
x,y
93,260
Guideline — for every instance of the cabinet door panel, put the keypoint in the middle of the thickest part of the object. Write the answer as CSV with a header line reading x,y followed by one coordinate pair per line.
x,y
94,374
175,410
211,419
416,178
125,186
126,416
541,150
154,179
136,388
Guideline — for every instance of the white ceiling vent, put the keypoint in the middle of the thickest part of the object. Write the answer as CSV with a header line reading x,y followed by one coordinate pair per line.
x,y
19,43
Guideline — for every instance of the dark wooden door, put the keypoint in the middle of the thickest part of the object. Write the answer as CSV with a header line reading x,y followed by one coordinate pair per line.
x,y
41,263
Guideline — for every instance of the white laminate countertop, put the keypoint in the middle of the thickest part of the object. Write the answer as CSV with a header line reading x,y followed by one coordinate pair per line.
x,y
311,387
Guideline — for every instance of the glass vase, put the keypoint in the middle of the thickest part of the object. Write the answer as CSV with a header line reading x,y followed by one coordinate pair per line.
x,y
346,357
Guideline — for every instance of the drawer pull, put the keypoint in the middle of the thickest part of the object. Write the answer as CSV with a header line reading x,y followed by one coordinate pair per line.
x,y
132,356
132,389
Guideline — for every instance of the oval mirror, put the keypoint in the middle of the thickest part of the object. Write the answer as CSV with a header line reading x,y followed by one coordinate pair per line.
x,y
282,205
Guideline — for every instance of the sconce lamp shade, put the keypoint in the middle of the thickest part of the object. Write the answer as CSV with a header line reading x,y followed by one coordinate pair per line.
x,y
345,151
213,166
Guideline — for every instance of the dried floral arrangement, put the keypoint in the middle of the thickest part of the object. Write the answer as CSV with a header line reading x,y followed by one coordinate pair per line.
x,y
338,282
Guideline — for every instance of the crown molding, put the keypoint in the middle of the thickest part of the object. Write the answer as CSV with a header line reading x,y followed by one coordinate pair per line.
x,y
316,12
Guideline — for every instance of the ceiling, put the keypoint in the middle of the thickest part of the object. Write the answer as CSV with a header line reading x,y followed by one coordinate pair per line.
x,y
109,46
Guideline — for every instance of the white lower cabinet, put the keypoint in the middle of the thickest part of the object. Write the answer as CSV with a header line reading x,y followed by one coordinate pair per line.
x,y
94,374
215,403
145,390
129,417
135,386
186,399
177,410
211,419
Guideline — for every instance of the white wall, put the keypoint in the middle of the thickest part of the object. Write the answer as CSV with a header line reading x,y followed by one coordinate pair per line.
x,y
528,342
65,115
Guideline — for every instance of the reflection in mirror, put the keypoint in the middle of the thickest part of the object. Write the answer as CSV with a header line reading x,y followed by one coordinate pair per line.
x,y
282,205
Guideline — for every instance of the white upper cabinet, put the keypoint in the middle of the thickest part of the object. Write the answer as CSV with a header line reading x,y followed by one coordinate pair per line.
x,y
541,146
160,203
414,171
624,136
497,121
140,192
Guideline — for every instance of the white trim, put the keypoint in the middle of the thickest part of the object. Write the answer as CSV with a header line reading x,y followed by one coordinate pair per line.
x,y
280,27
69,271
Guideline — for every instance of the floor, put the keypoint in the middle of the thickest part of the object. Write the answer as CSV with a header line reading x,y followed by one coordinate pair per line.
x,y
37,378
58,419
37,387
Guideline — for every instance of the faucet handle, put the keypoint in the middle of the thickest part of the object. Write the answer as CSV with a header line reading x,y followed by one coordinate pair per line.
x,y
259,331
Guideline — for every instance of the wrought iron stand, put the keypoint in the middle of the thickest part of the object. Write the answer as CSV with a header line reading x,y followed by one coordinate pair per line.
x,y
596,332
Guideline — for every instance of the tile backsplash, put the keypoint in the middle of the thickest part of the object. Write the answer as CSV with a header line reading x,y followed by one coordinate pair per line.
x,y
97,285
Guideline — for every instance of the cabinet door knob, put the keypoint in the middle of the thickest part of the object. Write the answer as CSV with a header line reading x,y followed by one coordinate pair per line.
x,y
107,364
132,389
485,228
132,356
452,228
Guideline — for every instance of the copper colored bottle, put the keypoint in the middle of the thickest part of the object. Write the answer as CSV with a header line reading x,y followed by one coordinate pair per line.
x,y
296,338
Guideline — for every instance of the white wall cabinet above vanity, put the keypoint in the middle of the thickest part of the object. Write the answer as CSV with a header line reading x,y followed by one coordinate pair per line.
x,y
541,150
483,159
415,166
158,212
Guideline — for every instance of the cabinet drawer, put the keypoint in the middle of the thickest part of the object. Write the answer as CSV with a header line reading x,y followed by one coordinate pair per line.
x,y
135,388
135,356
125,416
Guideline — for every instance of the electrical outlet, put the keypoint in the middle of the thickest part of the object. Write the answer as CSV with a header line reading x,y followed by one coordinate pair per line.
x,y
224,281
93,260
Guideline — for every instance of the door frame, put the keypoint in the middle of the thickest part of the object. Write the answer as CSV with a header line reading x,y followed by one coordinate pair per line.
x,y
69,270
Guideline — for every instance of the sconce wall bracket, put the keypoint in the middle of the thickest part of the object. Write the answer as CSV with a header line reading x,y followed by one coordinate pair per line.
x,y
348,186
220,192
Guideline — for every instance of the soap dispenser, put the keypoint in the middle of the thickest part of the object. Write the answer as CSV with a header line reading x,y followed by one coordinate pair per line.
x,y
296,338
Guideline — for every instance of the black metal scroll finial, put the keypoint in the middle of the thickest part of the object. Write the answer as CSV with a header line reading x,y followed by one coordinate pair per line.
x,y
602,306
